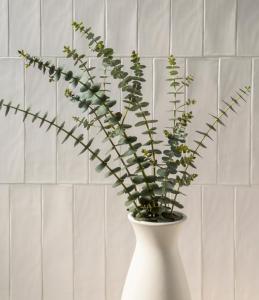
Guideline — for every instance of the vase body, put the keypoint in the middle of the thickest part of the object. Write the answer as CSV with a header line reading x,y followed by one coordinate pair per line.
x,y
156,271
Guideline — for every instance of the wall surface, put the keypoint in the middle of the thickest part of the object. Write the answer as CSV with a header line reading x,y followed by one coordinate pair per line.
x,y
63,230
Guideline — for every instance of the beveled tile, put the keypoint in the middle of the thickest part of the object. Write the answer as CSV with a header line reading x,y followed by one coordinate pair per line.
x,y
4,241
218,242
26,271
186,27
247,28
24,26
153,27
57,242
218,40
247,243
56,26
89,242
121,18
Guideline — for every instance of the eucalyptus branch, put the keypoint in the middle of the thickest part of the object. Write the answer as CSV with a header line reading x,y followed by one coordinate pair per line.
x,y
229,106
78,140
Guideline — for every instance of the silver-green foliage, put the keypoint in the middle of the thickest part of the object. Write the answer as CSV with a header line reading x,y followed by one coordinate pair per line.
x,y
151,174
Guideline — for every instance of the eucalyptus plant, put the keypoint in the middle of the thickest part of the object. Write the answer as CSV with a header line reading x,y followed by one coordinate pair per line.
x,y
152,172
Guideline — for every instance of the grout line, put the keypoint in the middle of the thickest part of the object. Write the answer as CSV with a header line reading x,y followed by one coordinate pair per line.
x,y
154,57
236,28
10,244
153,88
8,28
218,128
105,241
137,27
56,137
24,125
234,240
170,26
105,22
202,242
42,272
41,27
251,131
73,238
203,27
72,19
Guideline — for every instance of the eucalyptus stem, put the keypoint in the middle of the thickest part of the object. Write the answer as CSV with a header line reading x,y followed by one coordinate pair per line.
x,y
78,140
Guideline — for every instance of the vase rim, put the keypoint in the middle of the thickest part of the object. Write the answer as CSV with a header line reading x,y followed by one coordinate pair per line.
x,y
133,220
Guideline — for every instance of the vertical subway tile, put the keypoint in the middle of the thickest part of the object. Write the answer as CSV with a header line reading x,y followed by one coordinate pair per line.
x,y
57,242
190,240
186,27
92,14
247,243
122,26
4,242
89,242
4,28
218,40
234,139
118,232
26,242
24,28
12,128
255,125
71,167
204,90
40,148
247,28
56,26
218,243
99,136
153,27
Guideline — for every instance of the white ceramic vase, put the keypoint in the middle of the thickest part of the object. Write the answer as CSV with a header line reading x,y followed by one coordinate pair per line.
x,y
156,271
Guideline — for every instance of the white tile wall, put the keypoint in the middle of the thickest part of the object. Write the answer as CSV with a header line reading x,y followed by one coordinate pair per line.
x,y
63,230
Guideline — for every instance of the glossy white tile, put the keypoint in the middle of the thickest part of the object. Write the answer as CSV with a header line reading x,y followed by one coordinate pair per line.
x,y
4,241
247,28
56,26
153,27
57,242
25,268
186,27
24,26
4,28
255,125
121,26
89,242
220,39
218,242
247,243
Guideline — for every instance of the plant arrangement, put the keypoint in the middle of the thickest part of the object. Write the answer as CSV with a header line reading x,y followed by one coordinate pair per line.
x,y
152,172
